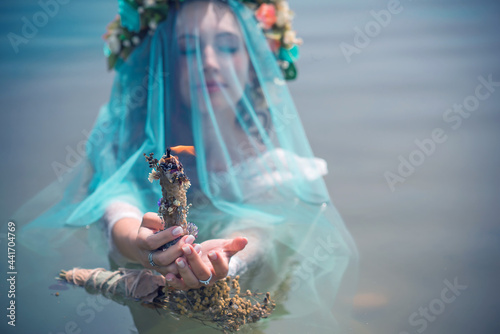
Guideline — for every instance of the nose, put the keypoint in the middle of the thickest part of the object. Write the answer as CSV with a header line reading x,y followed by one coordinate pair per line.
x,y
210,61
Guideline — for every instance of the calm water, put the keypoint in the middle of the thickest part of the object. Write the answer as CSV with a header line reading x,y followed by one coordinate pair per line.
x,y
439,227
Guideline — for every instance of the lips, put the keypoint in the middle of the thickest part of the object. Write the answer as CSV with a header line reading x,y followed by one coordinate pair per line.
x,y
212,86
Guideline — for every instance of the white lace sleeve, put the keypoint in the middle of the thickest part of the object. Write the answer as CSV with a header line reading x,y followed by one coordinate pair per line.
x,y
253,182
114,212
237,266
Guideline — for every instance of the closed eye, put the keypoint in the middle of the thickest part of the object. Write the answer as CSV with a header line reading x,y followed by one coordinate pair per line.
x,y
224,42
227,42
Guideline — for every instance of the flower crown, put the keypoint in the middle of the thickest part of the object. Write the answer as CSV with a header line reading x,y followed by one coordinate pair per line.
x,y
138,18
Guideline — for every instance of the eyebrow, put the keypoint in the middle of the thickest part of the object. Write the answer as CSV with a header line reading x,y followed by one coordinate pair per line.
x,y
224,34
219,35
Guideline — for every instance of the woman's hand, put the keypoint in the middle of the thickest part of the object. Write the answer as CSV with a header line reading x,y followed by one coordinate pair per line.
x,y
212,262
147,241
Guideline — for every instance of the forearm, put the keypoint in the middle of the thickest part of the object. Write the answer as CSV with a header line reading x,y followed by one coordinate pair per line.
x,y
124,234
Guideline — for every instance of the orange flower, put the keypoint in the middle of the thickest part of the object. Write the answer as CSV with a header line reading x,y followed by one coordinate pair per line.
x,y
266,14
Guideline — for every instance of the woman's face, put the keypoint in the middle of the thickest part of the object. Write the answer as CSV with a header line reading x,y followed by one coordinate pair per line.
x,y
212,31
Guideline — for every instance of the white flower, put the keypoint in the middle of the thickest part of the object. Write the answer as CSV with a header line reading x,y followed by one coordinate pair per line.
x,y
177,203
149,3
136,40
283,14
170,210
153,176
279,82
126,43
140,10
283,6
289,37
153,25
114,44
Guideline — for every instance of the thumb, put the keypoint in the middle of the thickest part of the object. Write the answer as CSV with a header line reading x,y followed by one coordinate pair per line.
x,y
238,244
152,221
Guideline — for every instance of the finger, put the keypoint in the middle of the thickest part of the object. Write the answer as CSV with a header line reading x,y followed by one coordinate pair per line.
x,y
149,240
170,269
176,283
166,257
152,221
219,263
199,269
236,245
187,274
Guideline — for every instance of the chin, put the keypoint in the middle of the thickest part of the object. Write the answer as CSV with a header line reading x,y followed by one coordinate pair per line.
x,y
218,102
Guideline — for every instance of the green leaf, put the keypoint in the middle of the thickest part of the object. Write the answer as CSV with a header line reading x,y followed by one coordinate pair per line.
x,y
290,55
290,73
112,59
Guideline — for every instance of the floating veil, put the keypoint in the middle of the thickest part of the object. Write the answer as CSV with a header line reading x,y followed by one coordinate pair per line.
x,y
208,78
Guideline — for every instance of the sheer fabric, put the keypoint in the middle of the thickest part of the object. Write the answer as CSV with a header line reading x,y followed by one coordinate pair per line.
x,y
206,77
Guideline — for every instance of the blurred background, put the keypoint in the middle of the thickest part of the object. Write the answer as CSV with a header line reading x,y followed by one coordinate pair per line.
x,y
401,98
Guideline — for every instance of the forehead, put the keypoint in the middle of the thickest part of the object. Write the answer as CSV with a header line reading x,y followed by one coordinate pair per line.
x,y
206,17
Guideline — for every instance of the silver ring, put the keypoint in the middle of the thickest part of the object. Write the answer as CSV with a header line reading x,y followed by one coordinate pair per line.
x,y
207,281
150,258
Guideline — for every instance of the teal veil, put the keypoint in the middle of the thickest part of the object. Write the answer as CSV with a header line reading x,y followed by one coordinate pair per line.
x,y
206,77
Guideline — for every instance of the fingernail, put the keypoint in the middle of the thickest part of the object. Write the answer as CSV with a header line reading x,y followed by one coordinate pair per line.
x,y
181,264
186,249
190,239
169,278
177,231
212,256
197,248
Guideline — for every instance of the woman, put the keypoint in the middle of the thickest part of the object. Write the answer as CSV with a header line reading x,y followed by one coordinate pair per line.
x,y
204,75
212,30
